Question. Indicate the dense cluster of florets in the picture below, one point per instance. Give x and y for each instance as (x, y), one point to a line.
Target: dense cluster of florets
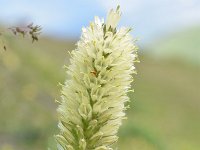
(95, 93)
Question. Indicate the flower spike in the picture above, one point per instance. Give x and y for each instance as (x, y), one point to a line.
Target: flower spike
(94, 96)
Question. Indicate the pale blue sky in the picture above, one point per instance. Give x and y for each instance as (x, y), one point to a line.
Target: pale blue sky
(64, 18)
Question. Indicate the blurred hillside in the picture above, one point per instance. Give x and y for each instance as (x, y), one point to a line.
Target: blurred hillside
(30, 76)
(165, 107)
(183, 45)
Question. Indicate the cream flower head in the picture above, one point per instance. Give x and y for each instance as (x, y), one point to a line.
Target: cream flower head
(95, 92)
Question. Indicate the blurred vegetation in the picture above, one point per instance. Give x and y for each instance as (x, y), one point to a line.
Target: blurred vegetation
(182, 44)
(164, 113)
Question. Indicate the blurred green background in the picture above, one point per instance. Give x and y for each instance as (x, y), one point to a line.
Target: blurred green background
(165, 107)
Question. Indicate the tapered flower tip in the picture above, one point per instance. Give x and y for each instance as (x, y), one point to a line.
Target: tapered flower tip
(113, 18)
